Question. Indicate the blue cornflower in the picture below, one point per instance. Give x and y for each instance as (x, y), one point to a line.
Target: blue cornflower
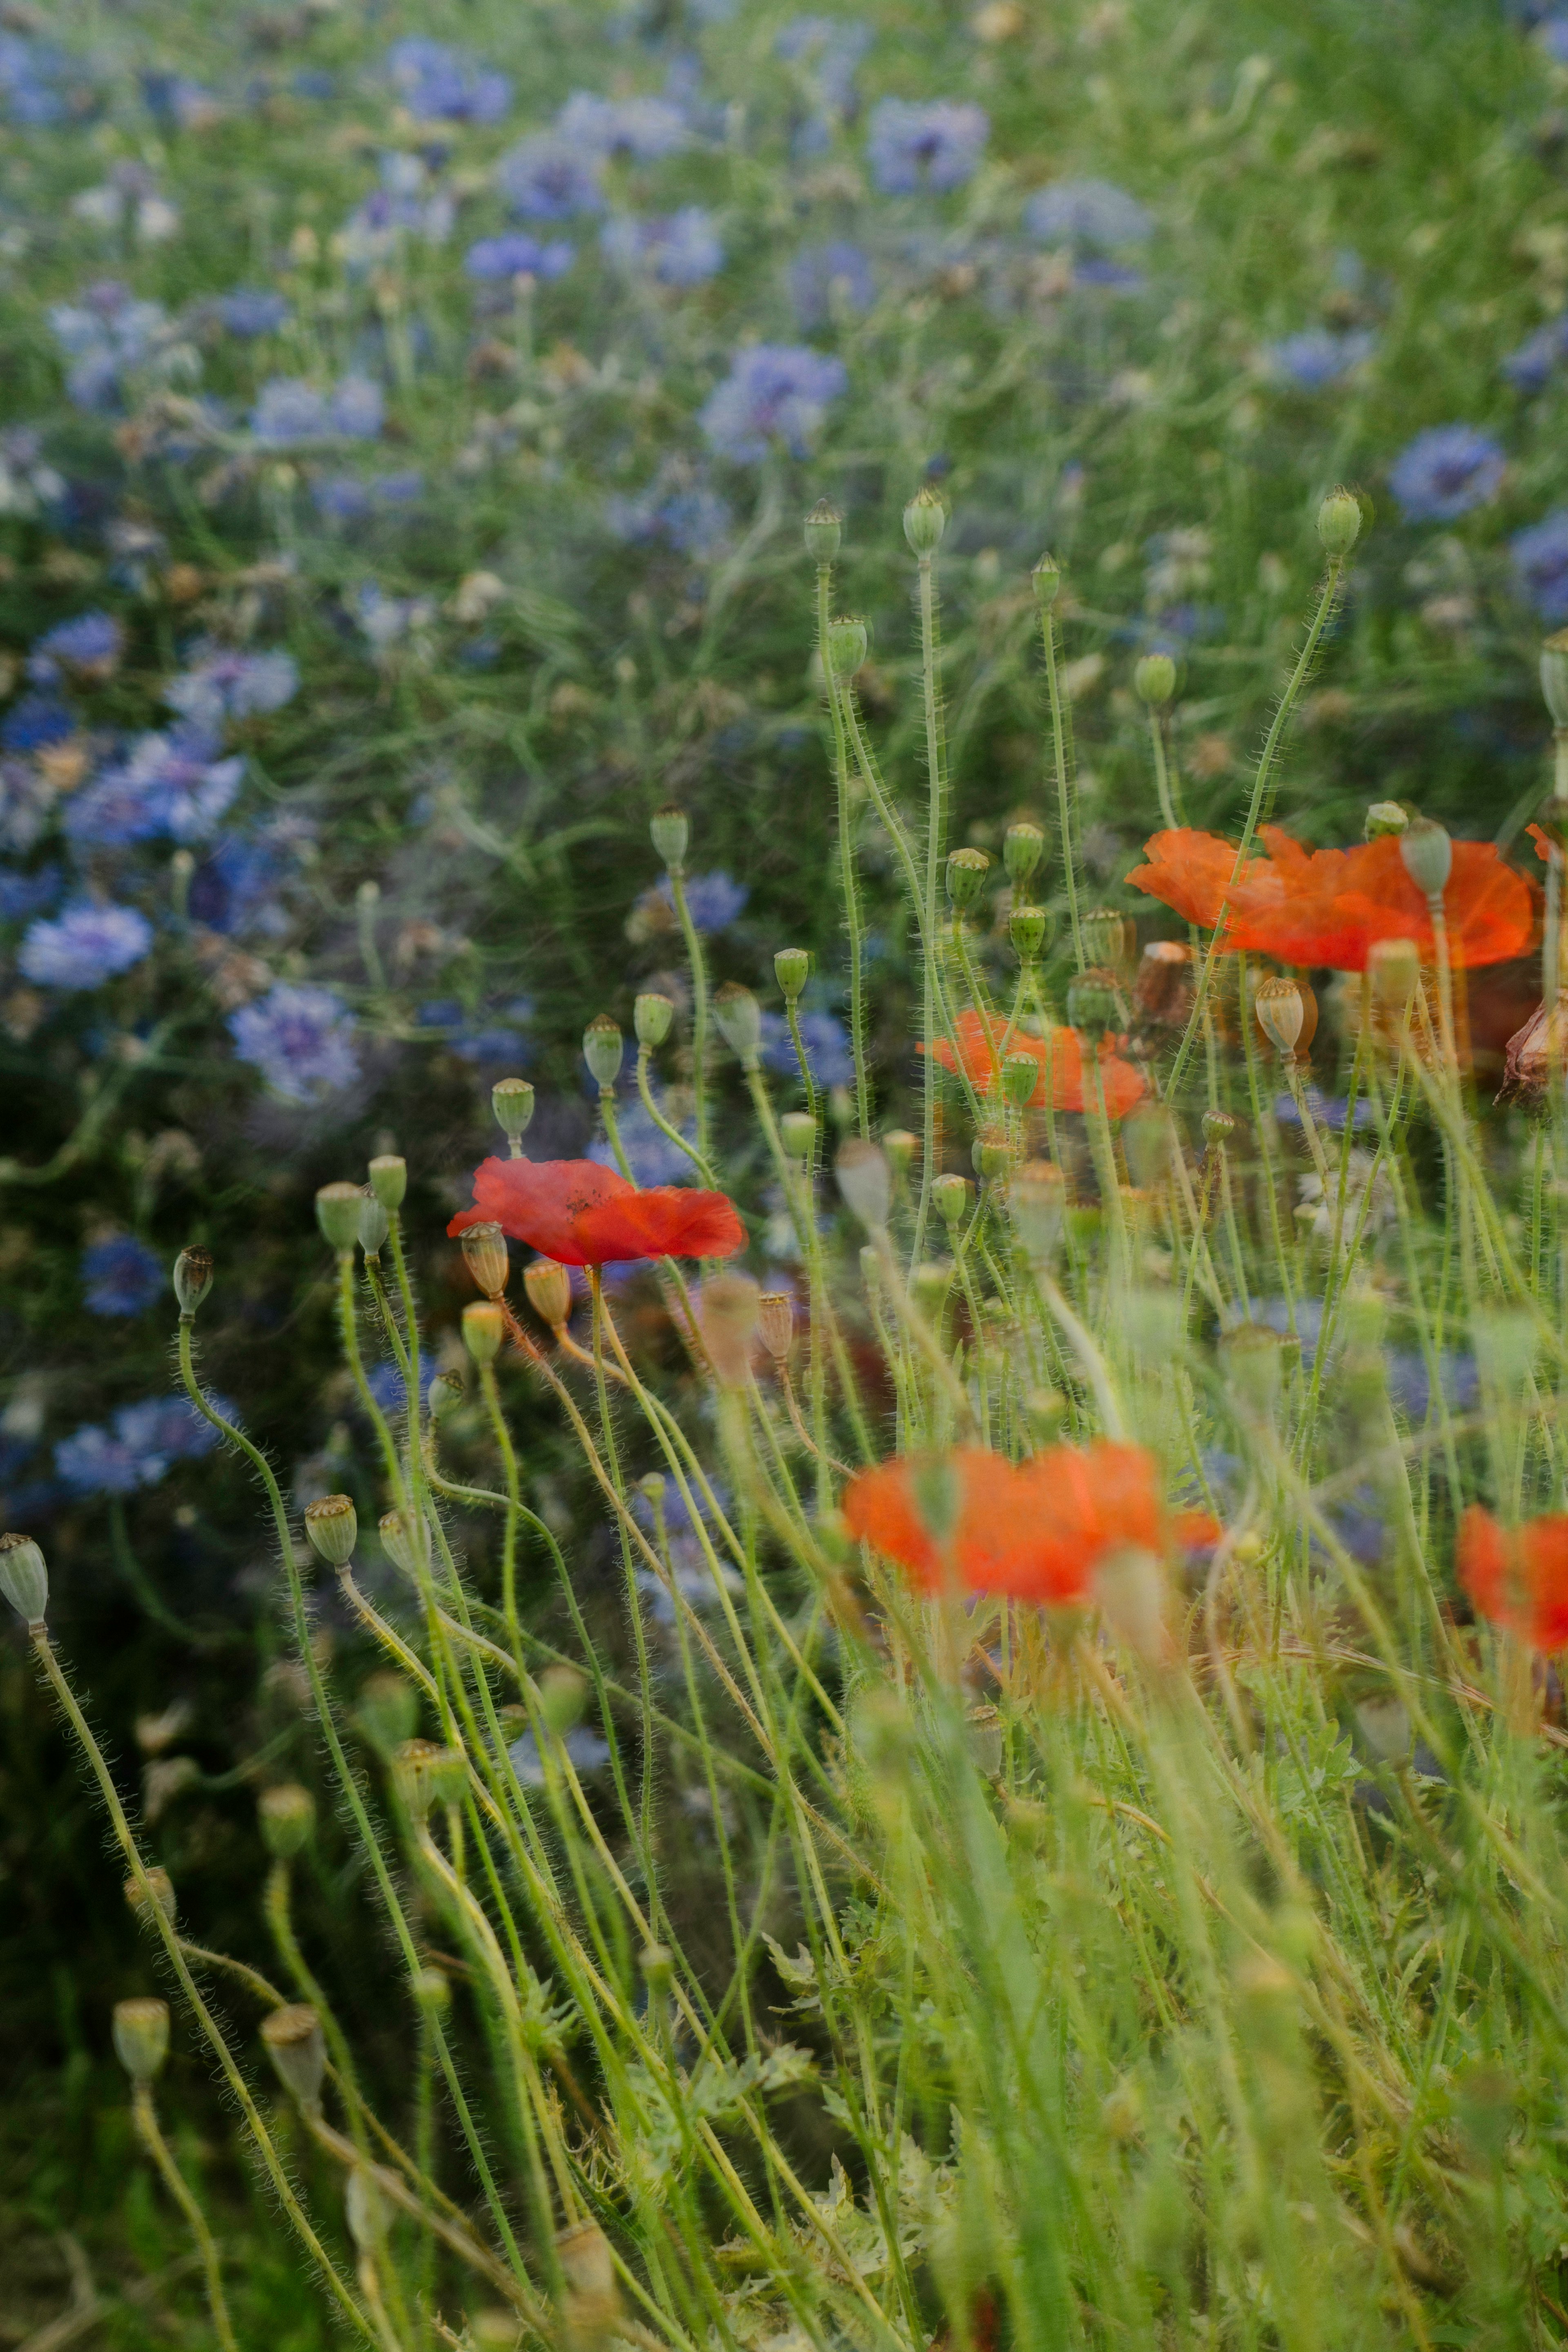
(348, 498)
(1319, 356)
(1410, 1381)
(172, 98)
(250, 311)
(826, 1043)
(388, 1387)
(36, 81)
(233, 889)
(826, 279)
(84, 946)
(1541, 566)
(1328, 1110)
(683, 250)
(94, 1461)
(105, 333)
(22, 895)
(645, 129)
(1529, 367)
(1553, 35)
(713, 901)
(288, 411)
(588, 1752)
(386, 620)
(301, 1039)
(440, 84)
(120, 1276)
(1087, 213)
(26, 804)
(546, 178)
(773, 391)
(936, 146)
(1445, 472)
(830, 48)
(171, 786)
(89, 648)
(222, 685)
(518, 255)
(650, 1155)
(36, 722)
(170, 1429)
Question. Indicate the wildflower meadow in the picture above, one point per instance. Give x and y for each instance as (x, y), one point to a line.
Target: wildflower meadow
(784, 1188)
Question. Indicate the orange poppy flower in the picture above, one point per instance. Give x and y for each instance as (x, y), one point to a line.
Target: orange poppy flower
(1517, 1576)
(1059, 1054)
(1191, 871)
(581, 1214)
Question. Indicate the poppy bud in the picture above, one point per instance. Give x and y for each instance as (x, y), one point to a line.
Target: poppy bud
(1110, 940)
(374, 1224)
(563, 1695)
(485, 1255)
(162, 1888)
(925, 519)
(1023, 846)
(332, 1527)
(775, 1321)
(1047, 580)
(823, 532)
(1038, 1199)
(1384, 818)
(297, 2050)
(656, 1962)
(991, 1154)
(1393, 968)
(1338, 522)
(400, 1542)
(846, 647)
(1428, 855)
(900, 1147)
(549, 1288)
(1555, 676)
(1020, 1076)
(1091, 1001)
(389, 1710)
(866, 1182)
(388, 1176)
(929, 1283)
(1154, 679)
(602, 1049)
(966, 872)
(651, 1017)
(434, 1996)
(670, 830)
(142, 2037)
(740, 1019)
(363, 2212)
(484, 1329)
(797, 1132)
(193, 1278)
(337, 1213)
(444, 1395)
(951, 1194)
(1045, 1410)
(24, 1577)
(792, 968)
(511, 1099)
(287, 1815)
(1280, 1013)
(1028, 928)
(727, 1318)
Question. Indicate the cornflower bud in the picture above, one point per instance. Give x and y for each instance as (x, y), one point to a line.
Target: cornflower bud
(603, 1050)
(485, 1255)
(792, 968)
(740, 1019)
(1023, 846)
(142, 2037)
(866, 1182)
(511, 1099)
(929, 1285)
(1020, 1076)
(193, 1278)
(1281, 1014)
(1047, 580)
(374, 1224)
(549, 1288)
(1028, 928)
(898, 1147)
(388, 1176)
(925, 519)
(337, 1213)
(991, 1154)
(1111, 940)
(298, 2048)
(670, 830)
(775, 1321)
(444, 1395)
(651, 1017)
(484, 1329)
(389, 1710)
(24, 1577)
(285, 1815)
(1154, 679)
(847, 646)
(1384, 818)
(1393, 968)
(966, 872)
(1338, 522)
(951, 1194)
(161, 1887)
(727, 1318)
(1555, 676)
(823, 532)
(400, 1542)
(797, 1132)
(1091, 1001)
(332, 1527)
(1428, 856)
(1037, 1199)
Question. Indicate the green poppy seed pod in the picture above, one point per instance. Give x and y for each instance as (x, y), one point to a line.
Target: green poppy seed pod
(388, 1173)
(162, 1888)
(951, 1195)
(443, 1396)
(1219, 1126)
(1281, 1012)
(1091, 1001)
(925, 519)
(1149, 1140)
(865, 1181)
(332, 1527)
(1045, 1410)
(824, 529)
(389, 1710)
(929, 1285)
(791, 970)
(286, 1816)
(484, 1329)
(1555, 676)
(374, 1224)
(1111, 940)
(1037, 1199)
(1381, 818)
(1023, 846)
(1047, 580)
(991, 1155)
(1020, 1076)
(433, 1994)
(1393, 968)
(1154, 679)
(604, 1049)
(193, 1278)
(337, 1213)
(1252, 1358)
(740, 1019)
(24, 1577)
(484, 1255)
(298, 2048)
(670, 831)
(652, 1487)
(1338, 522)
(651, 1017)
(1028, 928)
(142, 2037)
(563, 1697)
(511, 1099)
(1428, 855)
(549, 1288)
(900, 1147)
(797, 1133)
(400, 1542)
(966, 872)
(847, 646)
(775, 1322)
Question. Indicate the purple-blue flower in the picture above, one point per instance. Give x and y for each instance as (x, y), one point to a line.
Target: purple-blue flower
(300, 1038)
(288, 411)
(250, 311)
(651, 1156)
(84, 946)
(106, 333)
(36, 722)
(440, 84)
(222, 683)
(1318, 356)
(546, 178)
(171, 786)
(936, 146)
(683, 250)
(713, 901)
(348, 498)
(138, 1444)
(517, 255)
(826, 279)
(645, 129)
(1529, 367)
(1445, 472)
(120, 1276)
(830, 48)
(94, 1461)
(170, 1428)
(826, 1043)
(234, 888)
(689, 517)
(1541, 566)
(89, 648)
(22, 895)
(1087, 213)
(773, 391)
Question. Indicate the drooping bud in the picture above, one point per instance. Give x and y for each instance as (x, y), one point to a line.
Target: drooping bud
(389, 1710)
(142, 2037)
(1384, 818)
(951, 1194)
(1281, 1014)
(484, 1329)
(1023, 846)
(1555, 676)
(865, 1181)
(24, 1577)
(670, 830)
(740, 1019)
(298, 2048)
(847, 646)
(388, 1173)
(1028, 928)
(1393, 968)
(925, 519)
(1091, 1001)
(285, 1815)
(1154, 679)
(1047, 580)
(824, 529)
(443, 1396)
(1111, 940)
(1038, 1198)
(485, 1255)
(511, 1099)
(374, 1224)
(792, 968)
(193, 1278)
(549, 1288)
(1338, 522)
(727, 1309)
(797, 1132)
(332, 1525)
(966, 872)
(775, 1321)
(1020, 1076)
(900, 1147)
(162, 1888)
(602, 1049)
(651, 1017)
(337, 1213)
(1428, 855)
(400, 1542)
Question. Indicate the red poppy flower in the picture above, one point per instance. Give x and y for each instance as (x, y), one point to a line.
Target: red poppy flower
(581, 1214)
(1191, 871)
(1517, 1576)
(1059, 1054)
